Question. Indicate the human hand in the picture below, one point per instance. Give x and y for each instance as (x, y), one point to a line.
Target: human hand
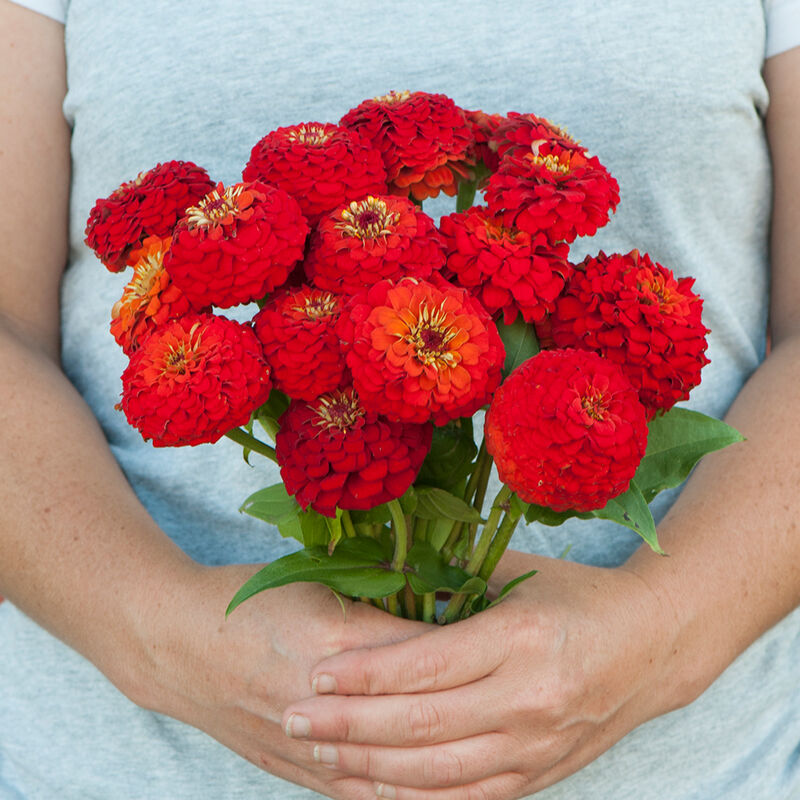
(504, 703)
(233, 677)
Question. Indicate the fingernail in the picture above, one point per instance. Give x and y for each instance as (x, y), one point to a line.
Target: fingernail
(323, 684)
(298, 727)
(326, 754)
(385, 790)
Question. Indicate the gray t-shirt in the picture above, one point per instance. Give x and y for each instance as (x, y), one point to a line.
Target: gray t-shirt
(669, 95)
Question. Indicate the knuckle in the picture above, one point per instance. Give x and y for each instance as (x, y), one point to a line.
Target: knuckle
(424, 721)
(444, 768)
(429, 669)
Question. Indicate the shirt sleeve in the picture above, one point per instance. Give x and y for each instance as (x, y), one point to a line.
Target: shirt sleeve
(783, 25)
(55, 9)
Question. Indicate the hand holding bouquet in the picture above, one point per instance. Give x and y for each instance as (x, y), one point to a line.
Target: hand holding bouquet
(376, 337)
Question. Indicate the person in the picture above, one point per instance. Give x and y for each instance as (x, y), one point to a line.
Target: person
(614, 674)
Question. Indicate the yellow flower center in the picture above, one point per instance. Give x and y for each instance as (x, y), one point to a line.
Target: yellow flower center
(367, 219)
(218, 207)
(339, 409)
(393, 98)
(313, 134)
(318, 305)
(552, 163)
(430, 337)
(594, 403)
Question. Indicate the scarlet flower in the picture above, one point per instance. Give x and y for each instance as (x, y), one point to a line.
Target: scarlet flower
(335, 452)
(425, 140)
(149, 299)
(321, 165)
(566, 430)
(558, 191)
(236, 245)
(419, 351)
(149, 205)
(367, 240)
(507, 269)
(193, 379)
(483, 128)
(517, 134)
(298, 331)
(636, 313)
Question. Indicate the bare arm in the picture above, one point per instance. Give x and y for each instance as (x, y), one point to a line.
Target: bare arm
(78, 552)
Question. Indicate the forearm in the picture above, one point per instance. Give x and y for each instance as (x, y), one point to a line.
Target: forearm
(733, 568)
(79, 553)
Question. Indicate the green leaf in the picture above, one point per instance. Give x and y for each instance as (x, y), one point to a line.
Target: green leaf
(427, 571)
(408, 501)
(451, 456)
(466, 194)
(510, 585)
(631, 510)
(438, 533)
(269, 414)
(519, 339)
(335, 530)
(315, 528)
(433, 503)
(676, 441)
(373, 516)
(357, 568)
(552, 518)
(275, 506)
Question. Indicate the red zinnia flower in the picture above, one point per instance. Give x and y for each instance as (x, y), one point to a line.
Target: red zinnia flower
(319, 164)
(334, 452)
(506, 268)
(298, 331)
(425, 140)
(483, 128)
(518, 134)
(561, 192)
(150, 205)
(236, 245)
(637, 314)
(420, 351)
(566, 430)
(150, 298)
(367, 240)
(193, 379)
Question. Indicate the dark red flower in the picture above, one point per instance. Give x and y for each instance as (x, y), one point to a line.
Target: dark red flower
(636, 313)
(483, 128)
(298, 331)
(334, 452)
(149, 299)
(194, 379)
(236, 245)
(321, 165)
(149, 205)
(425, 140)
(507, 269)
(566, 430)
(517, 134)
(419, 351)
(367, 240)
(560, 192)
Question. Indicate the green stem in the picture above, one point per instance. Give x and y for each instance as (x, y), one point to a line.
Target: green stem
(410, 602)
(400, 535)
(250, 442)
(472, 484)
(429, 607)
(393, 605)
(347, 524)
(499, 544)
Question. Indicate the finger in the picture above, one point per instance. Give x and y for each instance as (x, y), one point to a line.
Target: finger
(440, 659)
(507, 786)
(399, 720)
(449, 764)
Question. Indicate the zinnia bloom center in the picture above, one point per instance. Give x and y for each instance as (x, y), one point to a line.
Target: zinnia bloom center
(219, 207)
(498, 232)
(147, 271)
(367, 219)
(552, 163)
(393, 98)
(669, 299)
(340, 409)
(594, 404)
(311, 135)
(318, 305)
(430, 338)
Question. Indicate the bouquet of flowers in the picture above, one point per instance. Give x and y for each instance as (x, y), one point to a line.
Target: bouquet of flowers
(377, 337)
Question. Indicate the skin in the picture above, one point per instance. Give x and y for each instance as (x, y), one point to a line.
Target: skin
(550, 700)
(409, 730)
